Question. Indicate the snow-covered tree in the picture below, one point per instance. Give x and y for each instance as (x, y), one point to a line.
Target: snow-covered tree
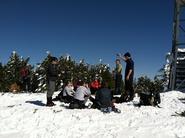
(13, 70)
(40, 75)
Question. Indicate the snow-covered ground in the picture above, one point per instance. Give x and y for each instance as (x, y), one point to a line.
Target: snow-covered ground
(25, 116)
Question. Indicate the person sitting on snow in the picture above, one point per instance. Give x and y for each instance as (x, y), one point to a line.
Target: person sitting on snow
(103, 99)
(95, 85)
(68, 92)
(81, 96)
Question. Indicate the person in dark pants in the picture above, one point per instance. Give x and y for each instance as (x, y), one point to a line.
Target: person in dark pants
(25, 76)
(103, 99)
(118, 77)
(52, 75)
(68, 92)
(129, 75)
(81, 96)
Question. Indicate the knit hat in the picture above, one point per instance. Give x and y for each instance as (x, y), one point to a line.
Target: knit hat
(127, 54)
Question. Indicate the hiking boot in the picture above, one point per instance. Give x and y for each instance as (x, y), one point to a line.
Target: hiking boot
(50, 102)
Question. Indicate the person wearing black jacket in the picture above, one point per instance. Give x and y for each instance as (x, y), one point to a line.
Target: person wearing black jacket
(51, 75)
(104, 99)
(129, 76)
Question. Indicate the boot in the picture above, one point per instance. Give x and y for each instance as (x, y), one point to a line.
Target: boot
(49, 102)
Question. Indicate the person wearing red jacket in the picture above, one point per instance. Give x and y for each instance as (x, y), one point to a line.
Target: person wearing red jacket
(95, 85)
(25, 77)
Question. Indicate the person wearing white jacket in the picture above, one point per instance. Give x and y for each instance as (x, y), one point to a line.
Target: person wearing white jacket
(81, 96)
(68, 92)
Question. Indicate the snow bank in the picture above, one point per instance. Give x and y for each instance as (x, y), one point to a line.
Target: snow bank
(181, 49)
(25, 116)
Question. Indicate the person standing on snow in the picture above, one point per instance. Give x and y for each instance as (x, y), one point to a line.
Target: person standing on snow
(25, 77)
(129, 76)
(118, 77)
(51, 75)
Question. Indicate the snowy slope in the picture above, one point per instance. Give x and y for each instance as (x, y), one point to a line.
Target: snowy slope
(24, 116)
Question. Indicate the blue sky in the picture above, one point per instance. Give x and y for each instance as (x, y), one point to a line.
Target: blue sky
(89, 29)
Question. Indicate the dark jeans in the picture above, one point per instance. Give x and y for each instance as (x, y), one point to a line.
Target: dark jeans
(68, 99)
(77, 104)
(129, 89)
(96, 104)
(118, 82)
(26, 83)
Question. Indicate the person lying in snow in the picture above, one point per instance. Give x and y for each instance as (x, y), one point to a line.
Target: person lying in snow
(81, 96)
(103, 99)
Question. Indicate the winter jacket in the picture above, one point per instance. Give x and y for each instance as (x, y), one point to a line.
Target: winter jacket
(68, 91)
(118, 69)
(95, 84)
(24, 72)
(52, 72)
(81, 93)
(129, 66)
(104, 97)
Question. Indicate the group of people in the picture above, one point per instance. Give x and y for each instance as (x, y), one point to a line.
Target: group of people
(78, 96)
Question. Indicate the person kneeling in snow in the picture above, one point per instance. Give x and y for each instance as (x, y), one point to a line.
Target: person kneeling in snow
(68, 92)
(103, 99)
(81, 96)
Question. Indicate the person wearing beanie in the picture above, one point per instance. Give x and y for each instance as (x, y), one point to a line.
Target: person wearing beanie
(51, 76)
(129, 76)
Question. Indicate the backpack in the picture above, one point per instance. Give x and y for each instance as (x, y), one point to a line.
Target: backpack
(150, 98)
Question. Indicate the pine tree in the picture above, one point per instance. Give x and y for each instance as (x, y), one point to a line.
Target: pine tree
(12, 70)
(66, 69)
(81, 71)
(2, 81)
(145, 84)
(39, 78)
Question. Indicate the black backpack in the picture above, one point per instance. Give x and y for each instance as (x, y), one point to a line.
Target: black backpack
(150, 98)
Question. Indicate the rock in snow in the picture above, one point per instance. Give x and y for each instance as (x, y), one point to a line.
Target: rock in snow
(25, 116)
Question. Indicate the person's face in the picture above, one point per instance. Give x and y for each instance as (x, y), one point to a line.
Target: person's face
(125, 58)
(55, 62)
(117, 62)
(86, 85)
(70, 84)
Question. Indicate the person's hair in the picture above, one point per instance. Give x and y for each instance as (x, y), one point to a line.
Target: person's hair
(68, 82)
(118, 60)
(104, 84)
(53, 59)
(127, 54)
(80, 83)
